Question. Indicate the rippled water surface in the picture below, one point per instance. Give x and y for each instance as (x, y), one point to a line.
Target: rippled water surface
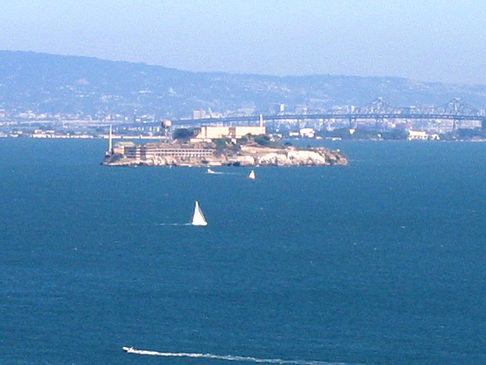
(379, 262)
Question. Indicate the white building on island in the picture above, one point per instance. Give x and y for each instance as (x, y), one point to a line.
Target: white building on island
(206, 133)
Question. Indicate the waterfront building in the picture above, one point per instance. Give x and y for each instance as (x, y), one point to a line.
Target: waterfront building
(417, 135)
(307, 132)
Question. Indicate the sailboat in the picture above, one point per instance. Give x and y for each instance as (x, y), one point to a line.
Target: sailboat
(198, 217)
(252, 175)
(211, 171)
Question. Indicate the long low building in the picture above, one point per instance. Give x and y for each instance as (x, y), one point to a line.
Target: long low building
(154, 150)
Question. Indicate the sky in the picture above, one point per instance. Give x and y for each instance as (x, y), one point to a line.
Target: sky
(423, 40)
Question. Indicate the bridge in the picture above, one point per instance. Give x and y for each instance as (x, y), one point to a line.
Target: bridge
(378, 110)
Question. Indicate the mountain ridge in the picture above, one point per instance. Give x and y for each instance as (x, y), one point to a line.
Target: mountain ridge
(83, 86)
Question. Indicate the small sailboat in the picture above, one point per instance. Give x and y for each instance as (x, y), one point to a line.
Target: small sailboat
(198, 217)
(252, 175)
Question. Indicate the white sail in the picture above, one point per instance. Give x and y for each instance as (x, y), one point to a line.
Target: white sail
(252, 175)
(198, 217)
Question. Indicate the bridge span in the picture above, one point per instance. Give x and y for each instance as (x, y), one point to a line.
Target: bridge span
(333, 116)
(378, 111)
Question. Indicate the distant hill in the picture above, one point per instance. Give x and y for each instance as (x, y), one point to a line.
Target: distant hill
(82, 86)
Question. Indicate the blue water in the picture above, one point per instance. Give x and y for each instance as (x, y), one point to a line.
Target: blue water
(379, 262)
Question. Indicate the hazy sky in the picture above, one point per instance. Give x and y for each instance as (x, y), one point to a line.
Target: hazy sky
(429, 40)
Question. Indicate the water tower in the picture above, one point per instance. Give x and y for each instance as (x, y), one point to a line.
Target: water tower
(167, 129)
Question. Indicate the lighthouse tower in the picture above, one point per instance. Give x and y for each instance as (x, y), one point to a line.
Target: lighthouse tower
(110, 142)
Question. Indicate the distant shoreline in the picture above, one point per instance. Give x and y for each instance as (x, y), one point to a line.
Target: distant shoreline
(157, 138)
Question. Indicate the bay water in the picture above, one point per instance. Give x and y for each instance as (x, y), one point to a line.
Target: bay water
(379, 262)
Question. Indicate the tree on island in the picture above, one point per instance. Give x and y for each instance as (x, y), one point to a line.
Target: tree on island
(183, 134)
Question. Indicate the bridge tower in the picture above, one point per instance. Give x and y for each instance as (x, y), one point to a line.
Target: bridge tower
(456, 107)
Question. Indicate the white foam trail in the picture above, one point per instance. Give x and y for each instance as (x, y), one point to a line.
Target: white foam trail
(174, 224)
(131, 350)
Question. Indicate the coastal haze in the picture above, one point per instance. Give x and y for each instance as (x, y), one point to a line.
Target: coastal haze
(82, 87)
(43, 95)
(434, 41)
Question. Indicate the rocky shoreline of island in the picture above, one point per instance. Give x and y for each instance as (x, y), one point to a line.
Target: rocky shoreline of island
(248, 151)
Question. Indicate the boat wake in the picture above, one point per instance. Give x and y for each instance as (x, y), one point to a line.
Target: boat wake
(174, 224)
(212, 172)
(131, 350)
(225, 173)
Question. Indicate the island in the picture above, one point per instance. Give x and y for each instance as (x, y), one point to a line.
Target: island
(214, 146)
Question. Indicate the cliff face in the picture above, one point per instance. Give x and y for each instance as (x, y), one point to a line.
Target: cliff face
(244, 156)
(290, 156)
